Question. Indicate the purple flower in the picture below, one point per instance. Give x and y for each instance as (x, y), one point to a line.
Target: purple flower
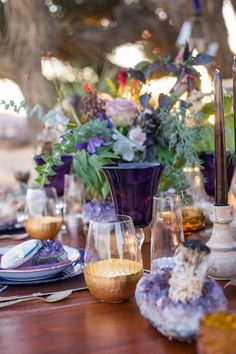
(91, 145)
(109, 123)
(102, 118)
(81, 146)
(122, 111)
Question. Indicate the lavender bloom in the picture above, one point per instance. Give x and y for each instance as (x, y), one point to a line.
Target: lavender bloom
(109, 123)
(102, 118)
(81, 146)
(91, 145)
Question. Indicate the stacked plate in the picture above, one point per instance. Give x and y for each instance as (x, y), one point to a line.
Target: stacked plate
(44, 273)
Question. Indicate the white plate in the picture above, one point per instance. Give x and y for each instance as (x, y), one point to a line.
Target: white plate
(40, 272)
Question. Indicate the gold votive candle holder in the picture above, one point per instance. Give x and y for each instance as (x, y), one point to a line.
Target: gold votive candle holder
(43, 227)
(113, 280)
(193, 219)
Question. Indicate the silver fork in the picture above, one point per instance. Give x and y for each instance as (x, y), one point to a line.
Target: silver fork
(74, 270)
(3, 287)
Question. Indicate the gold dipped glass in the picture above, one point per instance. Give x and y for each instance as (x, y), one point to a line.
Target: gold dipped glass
(44, 217)
(113, 260)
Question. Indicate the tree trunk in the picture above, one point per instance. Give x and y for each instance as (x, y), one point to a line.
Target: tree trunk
(31, 31)
(26, 39)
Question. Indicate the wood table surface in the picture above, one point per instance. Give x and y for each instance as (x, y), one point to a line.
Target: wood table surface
(82, 324)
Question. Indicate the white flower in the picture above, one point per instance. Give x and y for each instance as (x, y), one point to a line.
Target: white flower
(121, 111)
(138, 137)
(123, 146)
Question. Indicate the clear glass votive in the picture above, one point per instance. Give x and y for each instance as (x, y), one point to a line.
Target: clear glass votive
(113, 260)
(167, 230)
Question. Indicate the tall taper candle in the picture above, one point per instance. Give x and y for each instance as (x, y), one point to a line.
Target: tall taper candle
(221, 187)
(234, 96)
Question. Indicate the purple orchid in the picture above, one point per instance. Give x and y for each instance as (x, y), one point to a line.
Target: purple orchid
(91, 145)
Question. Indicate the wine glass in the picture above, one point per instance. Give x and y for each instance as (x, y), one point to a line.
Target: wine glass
(43, 216)
(113, 260)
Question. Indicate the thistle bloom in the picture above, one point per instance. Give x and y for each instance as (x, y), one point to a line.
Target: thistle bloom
(121, 111)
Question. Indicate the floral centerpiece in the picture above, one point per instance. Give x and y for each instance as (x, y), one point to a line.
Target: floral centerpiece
(130, 125)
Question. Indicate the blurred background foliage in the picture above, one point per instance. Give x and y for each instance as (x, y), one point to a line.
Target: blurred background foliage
(85, 37)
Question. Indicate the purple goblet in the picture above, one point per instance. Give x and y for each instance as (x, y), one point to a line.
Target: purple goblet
(132, 187)
(208, 170)
(57, 181)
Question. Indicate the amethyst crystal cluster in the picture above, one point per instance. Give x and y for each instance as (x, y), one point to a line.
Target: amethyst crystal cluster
(96, 209)
(50, 252)
(175, 300)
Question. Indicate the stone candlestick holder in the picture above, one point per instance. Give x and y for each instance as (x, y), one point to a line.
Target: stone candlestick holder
(222, 259)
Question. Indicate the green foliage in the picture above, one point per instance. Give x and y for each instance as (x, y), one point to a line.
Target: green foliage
(206, 129)
(181, 135)
(89, 168)
(52, 117)
(94, 128)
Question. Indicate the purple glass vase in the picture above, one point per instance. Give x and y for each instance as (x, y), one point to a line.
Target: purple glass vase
(208, 171)
(57, 181)
(132, 187)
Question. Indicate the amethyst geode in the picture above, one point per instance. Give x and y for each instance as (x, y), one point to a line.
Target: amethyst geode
(175, 300)
(50, 252)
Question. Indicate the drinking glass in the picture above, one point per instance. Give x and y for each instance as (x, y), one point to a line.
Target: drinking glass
(74, 195)
(167, 230)
(74, 198)
(43, 215)
(113, 260)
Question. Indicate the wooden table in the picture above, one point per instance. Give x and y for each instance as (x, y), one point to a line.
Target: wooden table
(82, 324)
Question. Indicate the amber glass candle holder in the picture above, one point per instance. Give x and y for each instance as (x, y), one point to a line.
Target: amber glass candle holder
(193, 219)
(113, 261)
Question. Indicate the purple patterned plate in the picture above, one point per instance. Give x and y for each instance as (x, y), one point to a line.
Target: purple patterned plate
(73, 270)
(27, 272)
